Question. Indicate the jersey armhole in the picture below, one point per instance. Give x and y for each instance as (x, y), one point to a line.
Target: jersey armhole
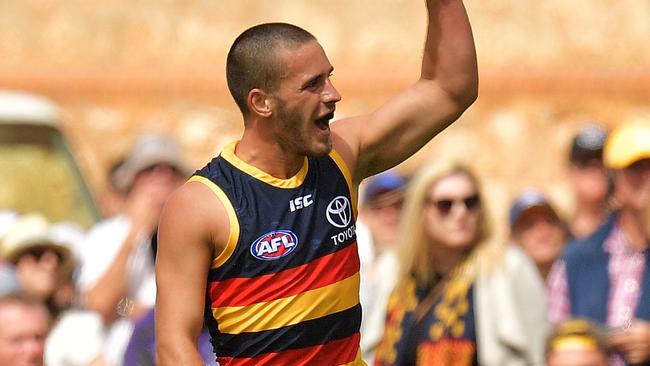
(233, 235)
(343, 167)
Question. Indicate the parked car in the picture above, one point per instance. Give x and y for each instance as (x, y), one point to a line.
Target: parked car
(38, 170)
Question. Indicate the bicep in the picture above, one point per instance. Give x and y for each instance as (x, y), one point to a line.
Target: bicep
(397, 129)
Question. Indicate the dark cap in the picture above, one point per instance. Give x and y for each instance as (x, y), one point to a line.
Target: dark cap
(529, 200)
(385, 182)
(588, 145)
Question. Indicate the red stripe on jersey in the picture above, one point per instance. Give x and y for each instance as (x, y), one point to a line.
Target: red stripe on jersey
(321, 272)
(337, 352)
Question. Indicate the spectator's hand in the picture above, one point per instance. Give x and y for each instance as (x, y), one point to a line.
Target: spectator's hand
(634, 342)
(145, 203)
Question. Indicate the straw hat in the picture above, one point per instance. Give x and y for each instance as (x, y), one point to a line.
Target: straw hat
(32, 231)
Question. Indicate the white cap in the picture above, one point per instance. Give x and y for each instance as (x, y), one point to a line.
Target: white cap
(148, 151)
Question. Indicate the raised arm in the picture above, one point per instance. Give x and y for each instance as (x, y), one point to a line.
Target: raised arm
(185, 248)
(448, 85)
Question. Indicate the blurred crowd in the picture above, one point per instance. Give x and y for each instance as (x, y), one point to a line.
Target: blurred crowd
(437, 286)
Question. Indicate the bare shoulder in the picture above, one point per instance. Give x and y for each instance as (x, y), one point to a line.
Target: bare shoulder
(346, 142)
(195, 212)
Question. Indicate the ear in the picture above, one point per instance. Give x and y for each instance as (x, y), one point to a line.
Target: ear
(260, 103)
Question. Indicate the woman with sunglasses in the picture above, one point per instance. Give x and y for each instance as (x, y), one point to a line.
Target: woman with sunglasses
(462, 299)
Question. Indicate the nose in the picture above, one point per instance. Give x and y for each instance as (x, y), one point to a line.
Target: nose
(330, 94)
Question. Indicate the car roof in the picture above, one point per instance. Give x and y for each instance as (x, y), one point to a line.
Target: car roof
(22, 107)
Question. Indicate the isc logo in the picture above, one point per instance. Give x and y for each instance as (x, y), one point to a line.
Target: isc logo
(300, 202)
(274, 244)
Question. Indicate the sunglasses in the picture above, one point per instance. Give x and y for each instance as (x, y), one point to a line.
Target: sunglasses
(444, 206)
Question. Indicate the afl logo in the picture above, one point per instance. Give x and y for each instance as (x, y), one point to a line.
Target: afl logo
(274, 245)
(339, 212)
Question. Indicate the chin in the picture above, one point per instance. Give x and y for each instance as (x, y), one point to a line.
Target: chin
(461, 243)
(321, 150)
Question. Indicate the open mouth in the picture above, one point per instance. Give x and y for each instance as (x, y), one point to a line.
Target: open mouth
(323, 123)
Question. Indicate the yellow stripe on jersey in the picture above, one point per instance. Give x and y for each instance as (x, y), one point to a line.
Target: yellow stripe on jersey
(228, 153)
(348, 178)
(312, 304)
(357, 361)
(233, 236)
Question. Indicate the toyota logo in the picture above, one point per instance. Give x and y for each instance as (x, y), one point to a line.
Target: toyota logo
(339, 212)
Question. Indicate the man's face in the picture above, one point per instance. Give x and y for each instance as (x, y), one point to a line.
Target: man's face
(589, 181)
(305, 101)
(577, 357)
(633, 186)
(22, 334)
(540, 234)
(157, 182)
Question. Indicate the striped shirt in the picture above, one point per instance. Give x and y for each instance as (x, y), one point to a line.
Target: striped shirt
(285, 289)
(625, 268)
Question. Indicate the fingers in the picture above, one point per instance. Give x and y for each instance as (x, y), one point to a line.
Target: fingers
(634, 342)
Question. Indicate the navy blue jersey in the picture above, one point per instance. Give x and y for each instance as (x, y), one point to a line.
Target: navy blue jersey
(285, 289)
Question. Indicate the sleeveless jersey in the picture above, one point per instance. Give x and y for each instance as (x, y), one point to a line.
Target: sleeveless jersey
(285, 289)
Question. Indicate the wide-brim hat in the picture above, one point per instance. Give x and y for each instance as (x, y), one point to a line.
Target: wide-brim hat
(31, 232)
(149, 150)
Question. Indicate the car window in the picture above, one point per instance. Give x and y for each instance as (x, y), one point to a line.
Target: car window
(39, 174)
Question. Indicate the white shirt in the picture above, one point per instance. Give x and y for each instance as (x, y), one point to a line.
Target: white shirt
(98, 251)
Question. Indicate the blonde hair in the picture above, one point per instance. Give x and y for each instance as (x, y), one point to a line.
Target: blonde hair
(415, 247)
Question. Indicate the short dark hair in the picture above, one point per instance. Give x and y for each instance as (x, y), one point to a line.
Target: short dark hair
(252, 60)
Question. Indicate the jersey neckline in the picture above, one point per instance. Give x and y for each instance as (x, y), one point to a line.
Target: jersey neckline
(228, 154)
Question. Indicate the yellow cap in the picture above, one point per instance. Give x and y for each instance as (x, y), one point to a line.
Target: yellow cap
(627, 144)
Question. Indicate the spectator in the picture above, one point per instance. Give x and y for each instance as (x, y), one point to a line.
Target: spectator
(605, 277)
(538, 229)
(377, 237)
(117, 273)
(577, 342)
(589, 181)
(112, 199)
(461, 299)
(141, 350)
(24, 325)
(42, 264)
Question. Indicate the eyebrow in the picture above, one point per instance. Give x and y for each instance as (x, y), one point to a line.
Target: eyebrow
(316, 77)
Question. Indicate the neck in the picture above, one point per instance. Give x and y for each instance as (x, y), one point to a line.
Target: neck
(593, 210)
(587, 217)
(264, 152)
(544, 269)
(632, 226)
(446, 259)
